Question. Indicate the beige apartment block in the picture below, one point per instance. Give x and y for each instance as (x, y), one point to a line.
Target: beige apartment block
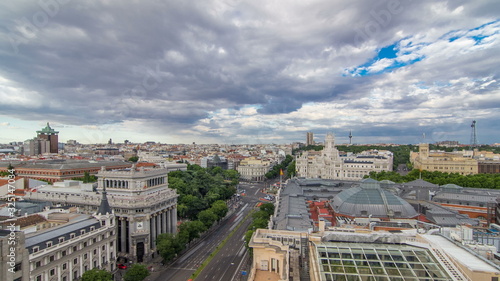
(276, 254)
(445, 162)
(252, 169)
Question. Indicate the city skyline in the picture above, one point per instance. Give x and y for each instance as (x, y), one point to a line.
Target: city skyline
(250, 72)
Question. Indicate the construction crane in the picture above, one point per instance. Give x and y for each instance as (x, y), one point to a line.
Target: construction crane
(473, 136)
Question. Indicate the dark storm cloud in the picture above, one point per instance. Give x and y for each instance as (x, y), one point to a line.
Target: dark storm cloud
(177, 64)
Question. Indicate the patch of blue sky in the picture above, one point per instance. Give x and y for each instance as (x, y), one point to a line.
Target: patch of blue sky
(457, 34)
(442, 84)
(388, 53)
(421, 85)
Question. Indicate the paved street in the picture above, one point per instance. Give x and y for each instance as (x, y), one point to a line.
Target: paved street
(231, 260)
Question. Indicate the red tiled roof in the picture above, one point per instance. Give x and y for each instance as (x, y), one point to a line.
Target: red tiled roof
(27, 221)
(145, 164)
(6, 181)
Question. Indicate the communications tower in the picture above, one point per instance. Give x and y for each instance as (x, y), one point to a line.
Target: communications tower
(350, 137)
(473, 136)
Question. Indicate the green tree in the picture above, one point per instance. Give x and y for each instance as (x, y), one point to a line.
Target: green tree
(219, 208)
(194, 205)
(268, 208)
(291, 170)
(192, 228)
(136, 273)
(182, 210)
(233, 176)
(169, 245)
(133, 159)
(248, 236)
(97, 275)
(207, 217)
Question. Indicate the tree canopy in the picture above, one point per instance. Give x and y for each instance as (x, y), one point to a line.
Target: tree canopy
(202, 194)
(491, 181)
(133, 159)
(136, 273)
(199, 188)
(87, 178)
(97, 275)
(283, 166)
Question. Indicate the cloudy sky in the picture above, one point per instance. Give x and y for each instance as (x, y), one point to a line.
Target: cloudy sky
(260, 71)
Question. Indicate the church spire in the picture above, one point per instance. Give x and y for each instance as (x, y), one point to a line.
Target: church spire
(104, 208)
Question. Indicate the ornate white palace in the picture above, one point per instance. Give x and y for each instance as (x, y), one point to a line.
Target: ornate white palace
(329, 164)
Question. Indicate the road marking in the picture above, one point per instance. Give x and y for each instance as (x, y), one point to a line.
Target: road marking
(243, 248)
(188, 254)
(238, 268)
(242, 209)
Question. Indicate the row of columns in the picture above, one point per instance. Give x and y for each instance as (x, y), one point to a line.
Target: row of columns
(155, 181)
(163, 222)
(115, 183)
(123, 235)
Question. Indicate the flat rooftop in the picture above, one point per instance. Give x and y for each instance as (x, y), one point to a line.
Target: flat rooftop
(261, 275)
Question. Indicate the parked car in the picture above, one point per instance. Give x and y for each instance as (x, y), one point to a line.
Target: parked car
(121, 266)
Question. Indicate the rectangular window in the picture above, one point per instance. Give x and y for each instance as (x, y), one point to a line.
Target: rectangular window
(52, 272)
(75, 261)
(49, 244)
(64, 266)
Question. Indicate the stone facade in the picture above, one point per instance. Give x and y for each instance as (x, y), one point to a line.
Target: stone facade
(252, 169)
(143, 204)
(443, 161)
(329, 164)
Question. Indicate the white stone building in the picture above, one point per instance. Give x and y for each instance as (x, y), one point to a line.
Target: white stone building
(329, 164)
(66, 251)
(143, 204)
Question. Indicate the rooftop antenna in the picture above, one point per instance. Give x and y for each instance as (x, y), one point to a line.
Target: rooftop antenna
(473, 136)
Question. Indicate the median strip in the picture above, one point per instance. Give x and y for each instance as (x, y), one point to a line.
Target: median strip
(218, 248)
